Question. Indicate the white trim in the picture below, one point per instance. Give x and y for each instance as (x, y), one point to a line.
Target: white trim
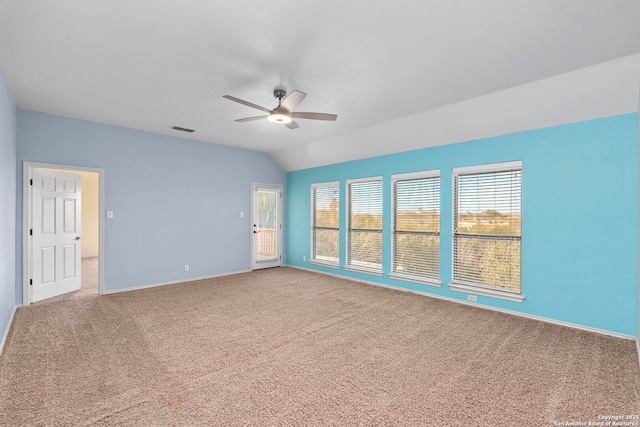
(325, 184)
(174, 282)
(487, 307)
(6, 332)
(494, 293)
(416, 279)
(366, 179)
(27, 168)
(431, 173)
(489, 167)
(26, 244)
(638, 348)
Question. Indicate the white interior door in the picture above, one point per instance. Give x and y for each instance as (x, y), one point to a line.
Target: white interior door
(266, 230)
(55, 229)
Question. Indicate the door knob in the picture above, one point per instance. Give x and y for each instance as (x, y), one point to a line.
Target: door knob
(77, 238)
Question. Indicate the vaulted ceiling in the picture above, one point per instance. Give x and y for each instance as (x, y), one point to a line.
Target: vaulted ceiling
(151, 65)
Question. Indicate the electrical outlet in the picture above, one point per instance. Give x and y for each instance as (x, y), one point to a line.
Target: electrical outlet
(186, 267)
(304, 258)
(472, 298)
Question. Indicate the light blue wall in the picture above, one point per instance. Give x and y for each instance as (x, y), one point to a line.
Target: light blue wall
(7, 204)
(175, 201)
(580, 217)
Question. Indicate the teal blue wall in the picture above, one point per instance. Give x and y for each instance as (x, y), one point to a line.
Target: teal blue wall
(580, 216)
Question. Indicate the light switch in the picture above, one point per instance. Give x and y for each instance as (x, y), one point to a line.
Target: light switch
(241, 214)
(109, 214)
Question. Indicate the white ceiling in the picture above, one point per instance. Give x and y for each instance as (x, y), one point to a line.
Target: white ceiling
(150, 64)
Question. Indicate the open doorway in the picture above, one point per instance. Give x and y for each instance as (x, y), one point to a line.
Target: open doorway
(63, 233)
(90, 247)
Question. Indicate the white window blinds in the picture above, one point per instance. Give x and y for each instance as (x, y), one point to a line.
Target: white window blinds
(325, 239)
(364, 237)
(416, 225)
(487, 226)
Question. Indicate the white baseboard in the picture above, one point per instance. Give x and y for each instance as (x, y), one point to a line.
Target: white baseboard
(6, 332)
(488, 307)
(173, 282)
(638, 345)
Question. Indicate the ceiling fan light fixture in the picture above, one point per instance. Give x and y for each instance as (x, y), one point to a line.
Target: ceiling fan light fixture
(279, 118)
(283, 112)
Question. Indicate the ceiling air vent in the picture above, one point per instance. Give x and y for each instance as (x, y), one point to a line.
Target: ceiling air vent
(182, 129)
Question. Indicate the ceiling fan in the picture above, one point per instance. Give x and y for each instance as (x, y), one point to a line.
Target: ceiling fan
(282, 113)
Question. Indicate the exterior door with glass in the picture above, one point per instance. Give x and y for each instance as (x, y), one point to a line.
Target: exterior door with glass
(266, 230)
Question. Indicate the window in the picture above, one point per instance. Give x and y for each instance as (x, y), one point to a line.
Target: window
(416, 226)
(325, 238)
(487, 229)
(364, 235)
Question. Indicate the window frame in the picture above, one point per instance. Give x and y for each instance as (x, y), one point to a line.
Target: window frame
(479, 288)
(395, 178)
(313, 259)
(348, 200)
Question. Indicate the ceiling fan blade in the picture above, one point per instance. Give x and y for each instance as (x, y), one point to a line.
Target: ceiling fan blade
(249, 119)
(292, 125)
(315, 116)
(292, 100)
(247, 103)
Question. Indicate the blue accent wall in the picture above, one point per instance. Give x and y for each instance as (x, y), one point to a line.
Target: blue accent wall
(175, 201)
(579, 227)
(7, 205)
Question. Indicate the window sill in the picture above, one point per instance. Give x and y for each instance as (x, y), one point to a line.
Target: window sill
(325, 263)
(417, 279)
(363, 270)
(495, 293)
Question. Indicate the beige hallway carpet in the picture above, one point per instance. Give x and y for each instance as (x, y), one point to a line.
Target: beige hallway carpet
(289, 347)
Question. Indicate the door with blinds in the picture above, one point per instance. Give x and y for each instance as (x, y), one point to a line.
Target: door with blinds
(266, 229)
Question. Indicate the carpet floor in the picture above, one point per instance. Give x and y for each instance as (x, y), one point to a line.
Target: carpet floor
(290, 347)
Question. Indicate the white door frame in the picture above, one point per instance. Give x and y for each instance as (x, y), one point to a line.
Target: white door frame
(27, 173)
(276, 187)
